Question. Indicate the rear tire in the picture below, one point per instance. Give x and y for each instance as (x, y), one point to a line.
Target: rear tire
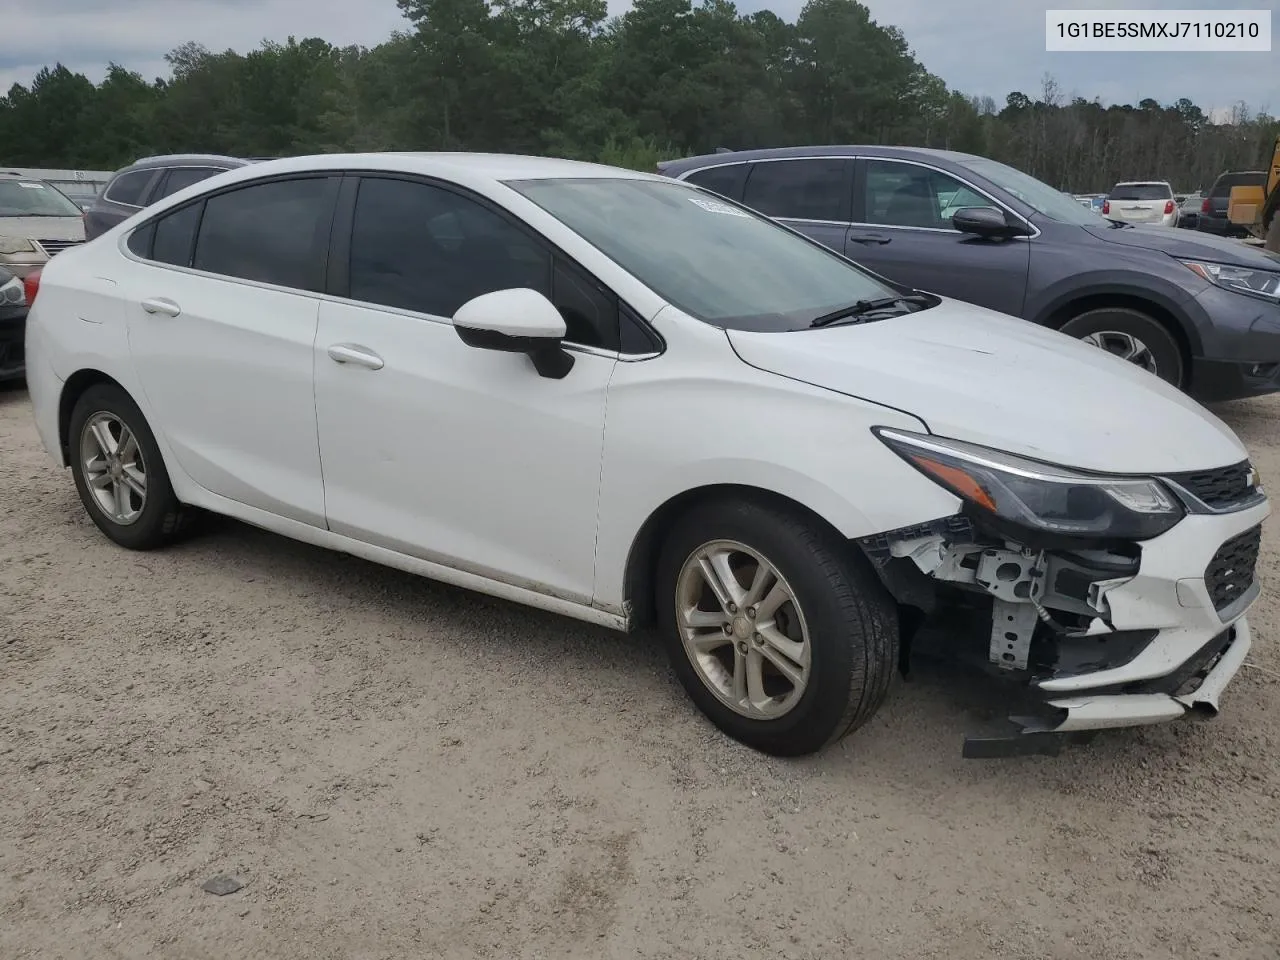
(1133, 336)
(819, 626)
(119, 472)
(1272, 242)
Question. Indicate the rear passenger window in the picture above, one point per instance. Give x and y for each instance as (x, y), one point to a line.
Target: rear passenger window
(140, 241)
(128, 187)
(182, 177)
(422, 248)
(176, 236)
(726, 180)
(814, 189)
(276, 232)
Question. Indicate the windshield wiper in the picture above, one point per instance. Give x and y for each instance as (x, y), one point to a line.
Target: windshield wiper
(862, 308)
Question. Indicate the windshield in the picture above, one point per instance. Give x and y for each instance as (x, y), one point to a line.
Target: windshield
(32, 198)
(1034, 193)
(1141, 191)
(714, 260)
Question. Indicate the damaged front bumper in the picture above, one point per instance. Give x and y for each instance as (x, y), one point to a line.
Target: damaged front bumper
(1097, 635)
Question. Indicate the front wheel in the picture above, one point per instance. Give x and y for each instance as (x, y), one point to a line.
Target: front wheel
(1133, 336)
(777, 630)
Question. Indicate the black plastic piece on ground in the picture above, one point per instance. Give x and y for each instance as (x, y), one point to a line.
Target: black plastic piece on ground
(1041, 743)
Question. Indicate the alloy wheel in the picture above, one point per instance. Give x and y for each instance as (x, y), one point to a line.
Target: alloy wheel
(743, 629)
(1125, 346)
(114, 470)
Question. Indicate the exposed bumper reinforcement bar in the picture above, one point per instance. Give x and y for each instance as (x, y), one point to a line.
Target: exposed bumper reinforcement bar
(1076, 719)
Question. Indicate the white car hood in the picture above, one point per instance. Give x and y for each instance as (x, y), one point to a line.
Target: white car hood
(976, 375)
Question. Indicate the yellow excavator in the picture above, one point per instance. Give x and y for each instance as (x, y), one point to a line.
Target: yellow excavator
(1257, 208)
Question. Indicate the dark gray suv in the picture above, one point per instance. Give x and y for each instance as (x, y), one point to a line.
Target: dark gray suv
(145, 181)
(1199, 311)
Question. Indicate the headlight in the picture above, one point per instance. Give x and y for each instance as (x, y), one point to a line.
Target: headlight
(12, 294)
(1251, 280)
(16, 245)
(1040, 496)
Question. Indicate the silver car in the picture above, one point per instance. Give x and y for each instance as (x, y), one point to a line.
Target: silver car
(37, 220)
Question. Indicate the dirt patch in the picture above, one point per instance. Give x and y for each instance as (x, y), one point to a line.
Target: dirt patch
(395, 768)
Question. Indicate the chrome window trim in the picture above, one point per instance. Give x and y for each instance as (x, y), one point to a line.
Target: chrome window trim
(888, 226)
(106, 193)
(967, 183)
(123, 247)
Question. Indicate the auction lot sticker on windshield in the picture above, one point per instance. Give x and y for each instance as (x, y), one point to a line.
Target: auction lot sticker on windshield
(715, 206)
(31, 186)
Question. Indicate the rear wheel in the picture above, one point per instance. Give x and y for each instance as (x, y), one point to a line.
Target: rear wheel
(777, 630)
(1133, 336)
(119, 472)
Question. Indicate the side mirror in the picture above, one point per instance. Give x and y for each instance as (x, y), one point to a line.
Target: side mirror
(986, 222)
(518, 320)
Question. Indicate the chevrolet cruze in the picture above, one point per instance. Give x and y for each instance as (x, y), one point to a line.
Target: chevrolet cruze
(625, 399)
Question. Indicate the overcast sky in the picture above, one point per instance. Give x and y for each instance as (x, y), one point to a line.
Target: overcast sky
(985, 47)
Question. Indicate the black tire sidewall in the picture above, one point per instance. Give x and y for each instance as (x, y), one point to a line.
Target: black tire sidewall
(159, 513)
(1170, 365)
(836, 650)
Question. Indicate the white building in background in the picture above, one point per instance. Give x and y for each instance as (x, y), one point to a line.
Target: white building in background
(80, 185)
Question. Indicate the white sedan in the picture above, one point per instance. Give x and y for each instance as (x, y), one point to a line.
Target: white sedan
(619, 397)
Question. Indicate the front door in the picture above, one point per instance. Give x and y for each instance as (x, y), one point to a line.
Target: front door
(453, 454)
(903, 231)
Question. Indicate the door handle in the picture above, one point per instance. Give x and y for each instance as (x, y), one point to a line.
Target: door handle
(161, 305)
(869, 239)
(353, 353)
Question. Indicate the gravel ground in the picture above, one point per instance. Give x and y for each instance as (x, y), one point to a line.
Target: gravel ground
(393, 768)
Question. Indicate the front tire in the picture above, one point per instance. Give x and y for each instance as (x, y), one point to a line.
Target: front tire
(1131, 335)
(776, 628)
(119, 472)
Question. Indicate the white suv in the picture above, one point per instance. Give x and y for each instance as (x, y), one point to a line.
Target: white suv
(1142, 201)
(618, 397)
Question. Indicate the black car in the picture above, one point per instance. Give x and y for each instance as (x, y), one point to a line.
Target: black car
(145, 181)
(1213, 208)
(13, 320)
(1199, 311)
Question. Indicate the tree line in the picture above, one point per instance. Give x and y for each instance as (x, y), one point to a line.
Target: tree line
(562, 78)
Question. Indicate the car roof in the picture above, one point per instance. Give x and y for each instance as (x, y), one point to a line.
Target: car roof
(465, 168)
(1142, 183)
(180, 159)
(675, 167)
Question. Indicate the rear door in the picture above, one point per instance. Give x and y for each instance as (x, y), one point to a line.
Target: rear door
(813, 195)
(223, 297)
(903, 231)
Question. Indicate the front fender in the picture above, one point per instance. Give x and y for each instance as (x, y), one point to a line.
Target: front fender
(671, 430)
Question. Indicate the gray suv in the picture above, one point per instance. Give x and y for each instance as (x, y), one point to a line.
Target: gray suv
(1199, 311)
(145, 181)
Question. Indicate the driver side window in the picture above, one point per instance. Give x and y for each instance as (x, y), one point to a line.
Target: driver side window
(423, 248)
(907, 195)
